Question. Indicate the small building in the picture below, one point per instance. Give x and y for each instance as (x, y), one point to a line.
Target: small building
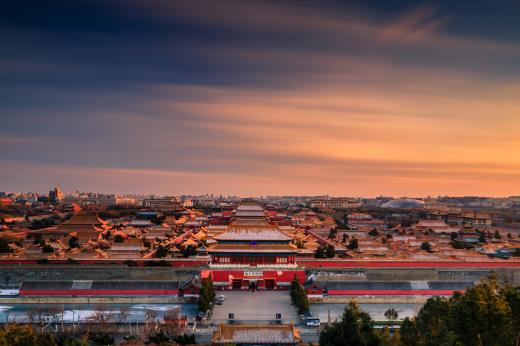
(314, 289)
(190, 288)
(258, 335)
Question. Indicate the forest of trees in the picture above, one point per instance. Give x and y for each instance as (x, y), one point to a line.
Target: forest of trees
(485, 315)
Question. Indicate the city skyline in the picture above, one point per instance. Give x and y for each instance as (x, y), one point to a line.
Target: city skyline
(261, 98)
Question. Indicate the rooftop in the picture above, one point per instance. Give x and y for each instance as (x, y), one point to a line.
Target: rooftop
(256, 334)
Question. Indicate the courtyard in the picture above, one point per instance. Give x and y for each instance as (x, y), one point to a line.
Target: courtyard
(258, 306)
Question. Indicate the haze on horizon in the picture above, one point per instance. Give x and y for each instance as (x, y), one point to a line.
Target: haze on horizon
(359, 98)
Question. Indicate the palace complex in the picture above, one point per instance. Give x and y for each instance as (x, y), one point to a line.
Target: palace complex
(252, 253)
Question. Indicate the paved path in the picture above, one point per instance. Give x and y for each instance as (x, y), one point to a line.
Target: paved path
(256, 306)
(376, 310)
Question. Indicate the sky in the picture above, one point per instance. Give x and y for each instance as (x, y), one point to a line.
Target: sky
(304, 97)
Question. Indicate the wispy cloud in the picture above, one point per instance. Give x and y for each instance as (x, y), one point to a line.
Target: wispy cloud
(262, 97)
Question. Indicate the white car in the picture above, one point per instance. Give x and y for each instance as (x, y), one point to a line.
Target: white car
(220, 300)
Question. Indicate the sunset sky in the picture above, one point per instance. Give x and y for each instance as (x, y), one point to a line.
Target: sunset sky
(360, 98)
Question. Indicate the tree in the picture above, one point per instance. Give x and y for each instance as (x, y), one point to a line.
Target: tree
(453, 236)
(189, 251)
(118, 238)
(161, 251)
(206, 294)
(18, 335)
(497, 235)
(159, 338)
(73, 242)
(391, 314)
(47, 249)
(387, 338)
(4, 246)
(330, 252)
(431, 322)
(426, 246)
(320, 252)
(481, 316)
(512, 295)
(354, 328)
(299, 296)
(482, 237)
(353, 244)
(408, 333)
(373, 232)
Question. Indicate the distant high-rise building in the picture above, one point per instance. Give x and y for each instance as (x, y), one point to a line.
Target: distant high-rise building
(56, 195)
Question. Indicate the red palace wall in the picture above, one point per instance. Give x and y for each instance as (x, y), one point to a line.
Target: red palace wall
(280, 276)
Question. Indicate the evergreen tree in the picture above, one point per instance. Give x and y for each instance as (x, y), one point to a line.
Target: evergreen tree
(426, 246)
(320, 252)
(353, 244)
(73, 242)
(299, 296)
(432, 322)
(512, 295)
(162, 251)
(354, 328)
(118, 238)
(330, 252)
(408, 333)
(373, 232)
(482, 316)
(206, 294)
(453, 236)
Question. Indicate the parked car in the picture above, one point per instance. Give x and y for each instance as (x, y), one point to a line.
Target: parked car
(220, 300)
(310, 320)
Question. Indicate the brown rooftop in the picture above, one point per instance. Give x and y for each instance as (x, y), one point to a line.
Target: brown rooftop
(284, 334)
(273, 248)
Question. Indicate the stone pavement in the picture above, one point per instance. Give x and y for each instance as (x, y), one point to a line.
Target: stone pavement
(260, 306)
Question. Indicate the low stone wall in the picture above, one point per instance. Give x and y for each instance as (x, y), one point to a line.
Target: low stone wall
(373, 299)
(97, 300)
(504, 275)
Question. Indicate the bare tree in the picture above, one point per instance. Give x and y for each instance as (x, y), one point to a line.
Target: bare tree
(174, 323)
(151, 320)
(123, 313)
(101, 321)
(31, 315)
(507, 278)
